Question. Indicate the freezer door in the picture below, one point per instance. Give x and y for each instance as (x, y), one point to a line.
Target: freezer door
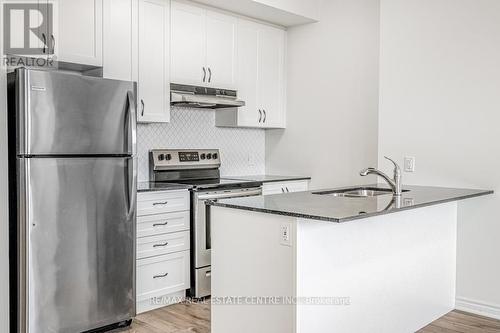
(80, 220)
(62, 113)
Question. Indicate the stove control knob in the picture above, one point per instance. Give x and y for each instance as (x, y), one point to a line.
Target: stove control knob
(214, 156)
(209, 156)
(202, 156)
(161, 157)
(168, 157)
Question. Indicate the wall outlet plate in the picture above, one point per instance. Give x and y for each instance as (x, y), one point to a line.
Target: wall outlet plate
(285, 236)
(409, 164)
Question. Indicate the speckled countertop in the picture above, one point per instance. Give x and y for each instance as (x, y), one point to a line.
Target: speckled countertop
(157, 186)
(310, 205)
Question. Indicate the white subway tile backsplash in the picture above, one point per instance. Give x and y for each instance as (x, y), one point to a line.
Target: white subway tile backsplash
(242, 150)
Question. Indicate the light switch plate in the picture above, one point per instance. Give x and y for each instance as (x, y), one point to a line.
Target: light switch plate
(409, 164)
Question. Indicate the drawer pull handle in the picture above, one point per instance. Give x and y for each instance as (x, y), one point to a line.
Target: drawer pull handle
(160, 203)
(161, 245)
(208, 274)
(160, 276)
(159, 224)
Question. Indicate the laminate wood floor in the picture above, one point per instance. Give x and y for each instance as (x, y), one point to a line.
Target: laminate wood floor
(195, 318)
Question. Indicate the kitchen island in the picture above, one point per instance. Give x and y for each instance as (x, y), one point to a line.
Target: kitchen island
(324, 261)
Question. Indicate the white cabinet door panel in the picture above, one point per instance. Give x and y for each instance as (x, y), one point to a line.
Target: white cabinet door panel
(153, 71)
(248, 68)
(188, 40)
(221, 50)
(77, 31)
(118, 39)
(271, 65)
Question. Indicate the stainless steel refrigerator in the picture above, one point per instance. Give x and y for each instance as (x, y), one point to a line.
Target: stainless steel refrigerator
(72, 165)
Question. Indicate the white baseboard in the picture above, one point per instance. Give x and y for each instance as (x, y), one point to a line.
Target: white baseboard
(478, 307)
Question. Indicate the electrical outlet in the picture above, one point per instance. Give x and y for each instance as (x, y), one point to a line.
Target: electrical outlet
(285, 237)
(409, 164)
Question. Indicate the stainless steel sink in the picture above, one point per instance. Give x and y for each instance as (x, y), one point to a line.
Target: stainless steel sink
(358, 192)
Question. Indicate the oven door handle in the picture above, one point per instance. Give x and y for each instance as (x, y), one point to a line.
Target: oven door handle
(237, 194)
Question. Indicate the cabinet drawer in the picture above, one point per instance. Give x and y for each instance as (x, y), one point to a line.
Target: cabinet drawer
(151, 225)
(162, 202)
(162, 244)
(162, 275)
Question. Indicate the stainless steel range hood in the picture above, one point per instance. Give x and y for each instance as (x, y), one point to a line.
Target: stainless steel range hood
(203, 97)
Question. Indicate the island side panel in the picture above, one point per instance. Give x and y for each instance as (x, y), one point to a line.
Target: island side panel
(398, 271)
(249, 260)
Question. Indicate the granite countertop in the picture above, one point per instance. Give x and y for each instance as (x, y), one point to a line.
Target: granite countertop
(342, 209)
(152, 186)
(269, 178)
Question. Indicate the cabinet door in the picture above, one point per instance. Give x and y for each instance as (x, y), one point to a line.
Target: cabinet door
(119, 38)
(221, 50)
(188, 39)
(248, 68)
(77, 31)
(271, 68)
(153, 84)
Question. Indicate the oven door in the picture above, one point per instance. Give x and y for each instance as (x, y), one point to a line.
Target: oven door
(201, 213)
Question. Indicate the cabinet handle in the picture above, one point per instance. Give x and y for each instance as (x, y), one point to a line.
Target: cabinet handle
(159, 224)
(204, 74)
(44, 41)
(265, 115)
(160, 276)
(160, 203)
(161, 245)
(282, 190)
(260, 115)
(287, 189)
(209, 74)
(53, 43)
(142, 107)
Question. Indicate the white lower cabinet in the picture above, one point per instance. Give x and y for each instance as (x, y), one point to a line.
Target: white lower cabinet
(285, 187)
(163, 249)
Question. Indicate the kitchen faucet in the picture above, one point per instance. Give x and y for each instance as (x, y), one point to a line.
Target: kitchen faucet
(394, 183)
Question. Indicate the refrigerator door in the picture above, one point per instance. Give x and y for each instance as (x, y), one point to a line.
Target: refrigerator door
(63, 113)
(80, 244)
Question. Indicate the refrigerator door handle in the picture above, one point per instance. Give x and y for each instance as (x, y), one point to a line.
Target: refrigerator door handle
(132, 122)
(131, 178)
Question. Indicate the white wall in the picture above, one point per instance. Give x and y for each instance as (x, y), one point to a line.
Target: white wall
(332, 69)
(440, 102)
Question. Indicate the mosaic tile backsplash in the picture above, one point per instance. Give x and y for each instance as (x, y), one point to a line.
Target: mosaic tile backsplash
(242, 150)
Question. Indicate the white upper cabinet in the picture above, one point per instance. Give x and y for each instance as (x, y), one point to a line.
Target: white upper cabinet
(261, 81)
(221, 50)
(248, 74)
(203, 46)
(188, 41)
(136, 48)
(270, 96)
(153, 61)
(119, 39)
(77, 31)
